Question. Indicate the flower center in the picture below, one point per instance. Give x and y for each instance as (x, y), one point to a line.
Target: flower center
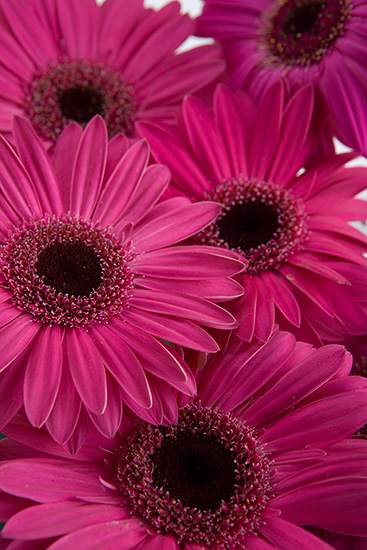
(301, 32)
(259, 221)
(72, 268)
(206, 479)
(76, 90)
(67, 271)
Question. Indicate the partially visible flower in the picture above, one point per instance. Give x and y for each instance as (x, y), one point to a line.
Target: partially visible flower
(63, 60)
(259, 454)
(321, 42)
(306, 266)
(91, 282)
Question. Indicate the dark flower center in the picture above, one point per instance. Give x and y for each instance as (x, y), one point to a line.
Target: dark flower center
(67, 271)
(71, 268)
(196, 469)
(301, 32)
(249, 225)
(260, 221)
(206, 479)
(76, 90)
(81, 103)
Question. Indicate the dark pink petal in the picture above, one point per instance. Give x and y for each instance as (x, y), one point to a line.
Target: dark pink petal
(187, 262)
(122, 184)
(36, 161)
(64, 158)
(124, 534)
(167, 149)
(121, 362)
(284, 298)
(244, 309)
(185, 306)
(177, 331)
(288, 158)
(59, 424)
(48, 483)
(344, 505)
(298, 382)
(157, 358)
(43, 374)
(15, 337)
(287, 536)
(89, 168)
(175, 226)
(205, 140)
(11, 384)
(87, 370)
(79, 27)
(58, 518)
(159, 542)
(265, 134)
(17, 185)
(265, 313)
(109, 422)
(330, 419)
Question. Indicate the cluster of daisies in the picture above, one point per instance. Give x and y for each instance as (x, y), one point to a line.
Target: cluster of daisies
(183, 297)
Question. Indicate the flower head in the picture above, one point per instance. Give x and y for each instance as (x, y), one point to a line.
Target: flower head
(306, 269)
(260, 453)
(91, 282)
(117, 60)
(321, 42)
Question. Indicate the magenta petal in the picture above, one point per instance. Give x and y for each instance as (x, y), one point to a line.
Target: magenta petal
(64, 158)
(57, 518)
(108, 423)
(122, 184)
(87, 370)
(79, 27)
(41, 486)
(15, 338)
(89, 168)
(175, 226)
(16, 184)
(37, 163)
(329, 419)
(11, 397)
(122, 363)
(287, 536)
(59, 424)
(109, 535)
(43, 374)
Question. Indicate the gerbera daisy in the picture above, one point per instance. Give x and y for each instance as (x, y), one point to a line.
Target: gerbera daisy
(306, 265)
(260, 453)
(323, 42)
(90, 282)
(62, 60)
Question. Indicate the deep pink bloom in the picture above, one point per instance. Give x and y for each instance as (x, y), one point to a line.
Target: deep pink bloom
(91, 281)
(64, 60)
(259, 454)
(305, 41)
(306, 266)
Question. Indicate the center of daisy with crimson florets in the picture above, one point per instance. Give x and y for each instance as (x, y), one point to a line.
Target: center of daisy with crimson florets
(206, 479)
(67, 270)
(301, 32)
(261, 222)
(76, 90)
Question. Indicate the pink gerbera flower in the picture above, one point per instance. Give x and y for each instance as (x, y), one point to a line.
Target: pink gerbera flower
(323, 42)
(90, 282)
(63, 60)
(306, 266)
(260, 453)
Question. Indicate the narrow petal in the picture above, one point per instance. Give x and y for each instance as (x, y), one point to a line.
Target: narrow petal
(287, 536)
(15, 337)
(89, 168)
(43, 374)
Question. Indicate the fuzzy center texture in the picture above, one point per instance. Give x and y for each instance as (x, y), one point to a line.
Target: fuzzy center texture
(76, 90)
(206, 479)
(260, 221)
(301, 32)
(68, 271)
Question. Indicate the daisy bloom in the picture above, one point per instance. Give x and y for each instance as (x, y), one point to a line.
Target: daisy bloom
(62, 60)
(91, 281)
(306, 266)
(260, 453)
(322, 42)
